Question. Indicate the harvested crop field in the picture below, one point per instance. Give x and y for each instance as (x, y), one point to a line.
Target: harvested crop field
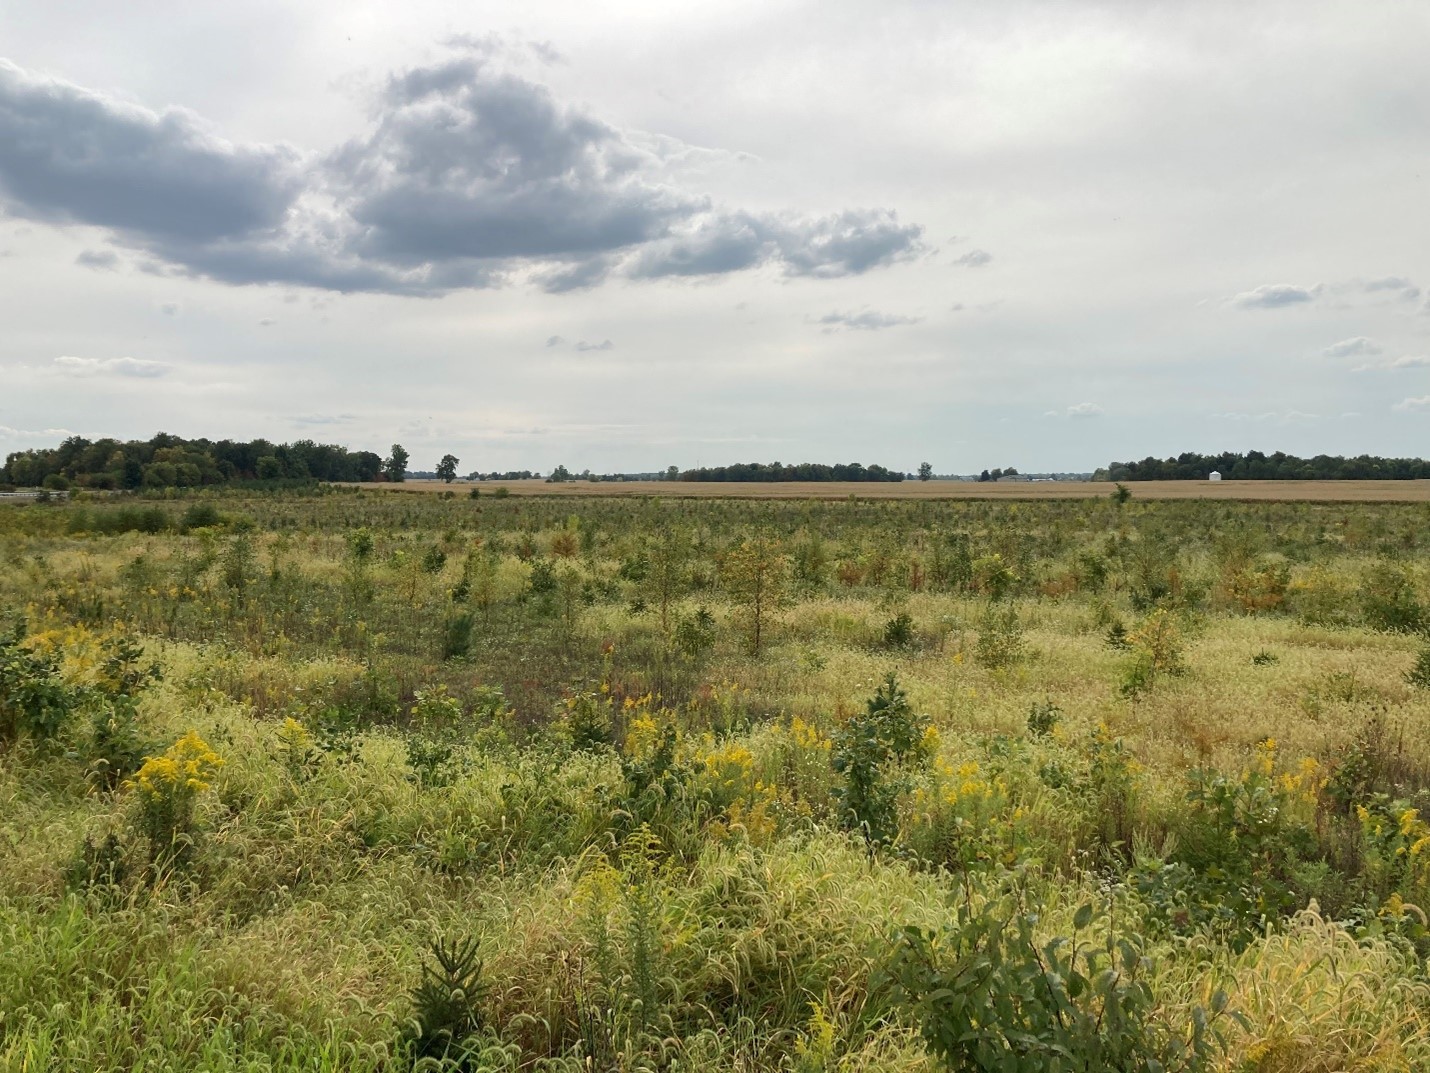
(1302, 491)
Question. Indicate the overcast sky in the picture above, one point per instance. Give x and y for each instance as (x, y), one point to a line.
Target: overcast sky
(629, 235)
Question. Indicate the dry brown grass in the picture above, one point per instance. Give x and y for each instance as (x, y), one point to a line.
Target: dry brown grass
(1322, 491)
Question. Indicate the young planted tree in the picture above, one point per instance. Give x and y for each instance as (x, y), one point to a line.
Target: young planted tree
(447, 468)
(755, 574)
(665, 578)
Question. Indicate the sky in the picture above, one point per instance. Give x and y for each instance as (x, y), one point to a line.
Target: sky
(629, 235)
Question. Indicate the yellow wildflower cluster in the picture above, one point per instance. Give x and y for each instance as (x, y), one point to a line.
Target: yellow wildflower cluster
(1398, 850)
(1301, 786)
(644, 727)
(962, 815)
(807, 735)
(295, 745)
(78, 649)
(187, 768)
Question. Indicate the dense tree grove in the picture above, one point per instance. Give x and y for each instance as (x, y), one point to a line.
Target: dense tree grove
(804, 471)
(1256, 466)
(171, 461)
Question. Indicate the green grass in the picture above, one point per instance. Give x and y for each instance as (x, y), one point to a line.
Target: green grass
(698, 904)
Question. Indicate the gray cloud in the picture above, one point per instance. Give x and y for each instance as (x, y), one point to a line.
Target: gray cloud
(578, 276)
(169, 309)
(1275, 296)
(1391, 283)
(72, 366)
(604, 344)
(105, 260)
(554, 340)
(72, 156)
(974, 259)
(471, 176)
(843, 244)
(868, 321)
(1352, 348)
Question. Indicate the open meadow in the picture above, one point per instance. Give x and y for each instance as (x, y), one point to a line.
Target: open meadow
(1279, 491)
(613, 778)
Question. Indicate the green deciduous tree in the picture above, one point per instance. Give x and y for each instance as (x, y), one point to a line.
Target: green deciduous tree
(755, 573)
(396, 465)
(447, 468)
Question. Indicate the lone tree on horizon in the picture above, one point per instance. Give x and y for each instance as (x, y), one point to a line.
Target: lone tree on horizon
(925, 471)
(396, 465)
(447, 468)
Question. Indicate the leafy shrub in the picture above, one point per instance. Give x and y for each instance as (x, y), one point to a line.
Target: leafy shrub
(868, 751)
(1043, 717)
(1389, 602)
(695, 634)
(1241, 853)
(34, 701)
(987, 995)
(1000, 637)
(119, 745)
(994, 576)
(200, 516)
(1157, 649)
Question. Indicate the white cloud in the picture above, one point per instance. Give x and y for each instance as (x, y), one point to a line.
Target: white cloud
(1352, 348)
(866, 321)
(48, 434)
(1276, 296)
(974, 259)
(1408, 361)
(140, 367)
(1415, 404)
(1085, 409)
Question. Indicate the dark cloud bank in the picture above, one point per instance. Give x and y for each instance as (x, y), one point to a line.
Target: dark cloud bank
(469, 176)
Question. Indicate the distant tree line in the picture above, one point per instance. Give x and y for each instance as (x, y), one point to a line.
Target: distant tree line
(508, 475)
(804, 471)
(997, 474)
(170, 461)
(1256, 466)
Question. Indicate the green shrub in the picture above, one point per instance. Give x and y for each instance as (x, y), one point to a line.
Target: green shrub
(1389, 601)
(988, 995)
(868, 752)
(34, 701)
(1000, 637)
(1043, 717)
